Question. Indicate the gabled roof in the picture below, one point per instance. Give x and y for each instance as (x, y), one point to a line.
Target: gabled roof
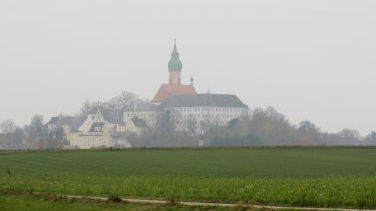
(169, 89)
(112, 116)
(95, 125)
(204, 100)
(74, 122)
(53, 120)
(139, 122)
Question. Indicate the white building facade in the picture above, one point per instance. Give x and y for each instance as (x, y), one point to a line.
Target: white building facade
(97, 132)
(149, 113)
(197, 113)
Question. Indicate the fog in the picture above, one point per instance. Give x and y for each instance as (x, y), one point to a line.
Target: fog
(310, 60)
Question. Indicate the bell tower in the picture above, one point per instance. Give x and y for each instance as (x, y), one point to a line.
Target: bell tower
(174, 67)
(174, 86)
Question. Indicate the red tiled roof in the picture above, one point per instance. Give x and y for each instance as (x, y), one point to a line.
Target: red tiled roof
(167, 89)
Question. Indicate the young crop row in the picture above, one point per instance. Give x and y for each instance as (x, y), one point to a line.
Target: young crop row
(216, 162)
(356, 192)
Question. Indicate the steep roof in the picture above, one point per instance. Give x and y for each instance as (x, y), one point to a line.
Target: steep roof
(204, 100)
(53, 120)
(74, 122)
(168, 89)
(139, 122)
(95, 125)
(112, 116)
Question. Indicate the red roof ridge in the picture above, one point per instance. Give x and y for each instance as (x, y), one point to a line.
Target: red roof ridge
(167, 89)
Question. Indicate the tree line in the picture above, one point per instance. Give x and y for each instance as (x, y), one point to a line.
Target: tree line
(269, 127)
(263, 127)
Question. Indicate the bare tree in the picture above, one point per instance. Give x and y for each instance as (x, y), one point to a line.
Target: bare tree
(35, 131)
(191, 125)
(92, 107)
(126, 100)
(13, 136)
(272, 127)
(205, 126)
(370, 139)
(164, 124)
(8, 126)
(16, 142)
(85, 109)
(349, 137)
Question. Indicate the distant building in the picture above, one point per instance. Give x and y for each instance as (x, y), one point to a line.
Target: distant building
(136, 125)
(188, 111)
(67, 123)
(180, 104)
(195, 113)
(147, 112)
(192, 113)
(97, 132)
(174, 86)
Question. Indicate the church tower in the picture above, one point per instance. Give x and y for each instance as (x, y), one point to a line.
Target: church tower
(174, 67)
(174, 86)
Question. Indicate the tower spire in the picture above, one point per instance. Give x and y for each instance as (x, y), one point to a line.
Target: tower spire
(175, 66)
(175, 49)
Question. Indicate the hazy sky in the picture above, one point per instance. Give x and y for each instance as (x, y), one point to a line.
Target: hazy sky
(310, 59)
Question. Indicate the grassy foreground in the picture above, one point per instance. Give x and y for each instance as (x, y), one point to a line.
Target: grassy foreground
(320, 177)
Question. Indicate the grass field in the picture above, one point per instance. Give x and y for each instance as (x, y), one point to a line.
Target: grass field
(321, 176)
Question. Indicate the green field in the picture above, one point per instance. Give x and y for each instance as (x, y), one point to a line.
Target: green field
(320, 177)
(27, 202)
